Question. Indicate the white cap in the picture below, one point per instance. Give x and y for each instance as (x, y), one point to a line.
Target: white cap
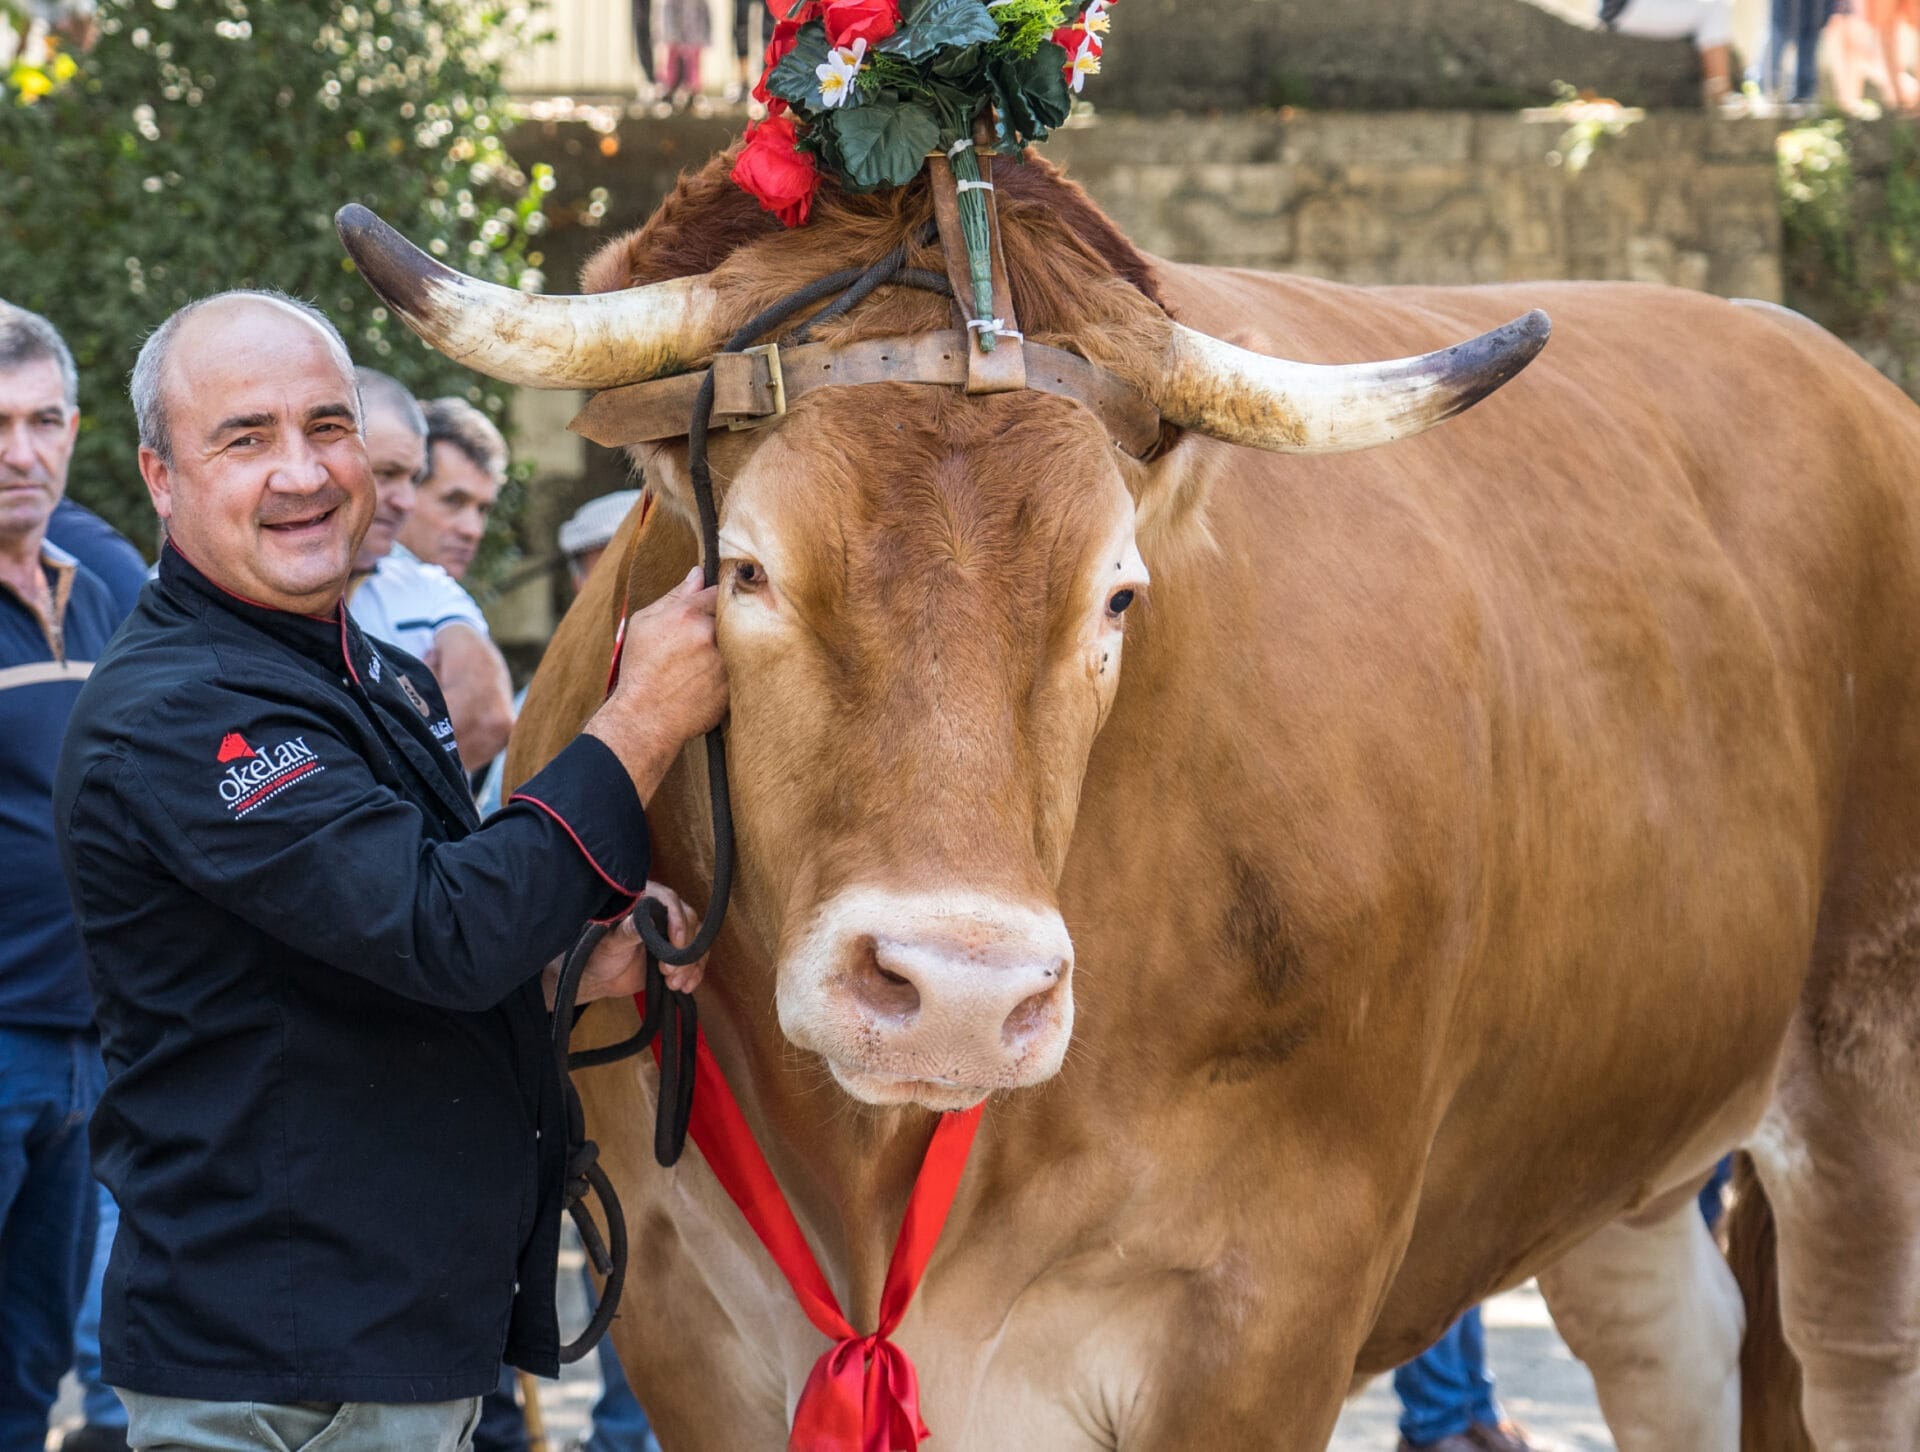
(595, 523)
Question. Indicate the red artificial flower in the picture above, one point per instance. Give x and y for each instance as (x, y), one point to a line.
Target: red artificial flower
(786, 35)
(780, 176)
(869, 20)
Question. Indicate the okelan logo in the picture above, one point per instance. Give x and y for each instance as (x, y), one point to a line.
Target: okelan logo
(257, 774)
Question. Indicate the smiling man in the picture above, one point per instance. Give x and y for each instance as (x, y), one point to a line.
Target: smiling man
(331, 1118)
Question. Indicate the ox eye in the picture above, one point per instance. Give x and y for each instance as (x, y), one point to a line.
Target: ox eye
(1118, 602)
(747, 575)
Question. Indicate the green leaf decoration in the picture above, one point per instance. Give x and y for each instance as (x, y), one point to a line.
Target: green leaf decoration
(884, 143)
(796, 80)
(954, 108)
(1032, 93)
(930, 25)
(961, 65)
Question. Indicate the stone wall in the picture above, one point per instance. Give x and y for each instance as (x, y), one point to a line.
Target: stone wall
(1189, 55)
(1404, 197)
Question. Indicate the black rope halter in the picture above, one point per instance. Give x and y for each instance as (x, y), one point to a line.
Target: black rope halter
(672, 1017)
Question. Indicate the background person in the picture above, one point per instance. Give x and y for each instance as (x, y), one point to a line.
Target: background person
(466, 467)
(1707, 23)
(103, 550)
(416, 606)
(1447, 1399)
(300, 936)
(55, 619)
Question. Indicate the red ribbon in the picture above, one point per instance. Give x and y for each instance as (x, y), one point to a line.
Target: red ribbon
(863, 1394)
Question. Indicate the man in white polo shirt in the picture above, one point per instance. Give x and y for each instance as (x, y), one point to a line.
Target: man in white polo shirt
(419, 607)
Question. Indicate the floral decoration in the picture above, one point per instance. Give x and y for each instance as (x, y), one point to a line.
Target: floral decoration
(866, 89)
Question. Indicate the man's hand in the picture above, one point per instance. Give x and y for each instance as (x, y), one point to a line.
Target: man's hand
(618, 966)
(672, 685)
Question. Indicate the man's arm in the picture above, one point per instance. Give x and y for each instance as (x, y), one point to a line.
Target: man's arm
(266, 809)
(473, 677)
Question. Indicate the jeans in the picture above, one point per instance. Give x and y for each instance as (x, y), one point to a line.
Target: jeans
(619, 1424)
(49, 1082)
(1448, 1389)
(643, 35)
(1797, 23)
(101, 1406)
(178, 1424)
(1712, 1194)
(503, 1423)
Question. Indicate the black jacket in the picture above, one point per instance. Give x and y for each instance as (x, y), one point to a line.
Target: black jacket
(331, 1120)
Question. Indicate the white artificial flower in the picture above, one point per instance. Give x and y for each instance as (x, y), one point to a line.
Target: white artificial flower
(843, 64)
(1084, 62)
(1095, 20)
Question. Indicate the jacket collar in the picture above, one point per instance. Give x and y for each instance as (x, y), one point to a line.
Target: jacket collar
(335, 643)
(333, 640)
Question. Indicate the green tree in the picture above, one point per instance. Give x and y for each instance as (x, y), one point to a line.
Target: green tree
(205, 144)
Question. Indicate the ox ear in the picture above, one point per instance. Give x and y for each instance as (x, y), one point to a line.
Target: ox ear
(1284, 407)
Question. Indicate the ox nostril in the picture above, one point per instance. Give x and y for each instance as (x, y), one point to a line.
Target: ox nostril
(1031, 1016)
(882, 991)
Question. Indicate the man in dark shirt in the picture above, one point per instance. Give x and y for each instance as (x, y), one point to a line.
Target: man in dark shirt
(55, 619)
(103, 550)
(332, 1123)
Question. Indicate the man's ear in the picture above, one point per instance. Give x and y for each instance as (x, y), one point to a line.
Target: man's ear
(159, 479)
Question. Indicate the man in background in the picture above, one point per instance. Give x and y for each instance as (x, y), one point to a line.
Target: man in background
(466, 466)
(416, 606)
(55, 619)
(102, 549)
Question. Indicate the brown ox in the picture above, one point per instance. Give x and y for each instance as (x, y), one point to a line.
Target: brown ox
(1486, 833)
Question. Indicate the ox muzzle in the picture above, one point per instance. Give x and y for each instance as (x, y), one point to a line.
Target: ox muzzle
(932, 999)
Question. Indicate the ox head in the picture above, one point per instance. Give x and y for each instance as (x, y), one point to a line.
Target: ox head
(924, 596)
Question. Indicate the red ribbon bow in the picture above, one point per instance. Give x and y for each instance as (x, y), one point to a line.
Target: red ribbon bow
(863, 1394)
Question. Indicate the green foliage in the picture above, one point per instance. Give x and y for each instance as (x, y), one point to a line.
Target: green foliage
(930, 25)
(1816, 187)
(886, 143)
(1026, 25)
(205, 144)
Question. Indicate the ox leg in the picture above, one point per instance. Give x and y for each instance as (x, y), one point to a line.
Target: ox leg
(1839, 1156)
(1649, 1305)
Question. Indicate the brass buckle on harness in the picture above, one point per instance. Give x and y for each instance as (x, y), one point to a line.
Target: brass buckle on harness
(758, 417)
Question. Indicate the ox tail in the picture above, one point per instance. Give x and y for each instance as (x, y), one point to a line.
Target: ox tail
(1769, 1375)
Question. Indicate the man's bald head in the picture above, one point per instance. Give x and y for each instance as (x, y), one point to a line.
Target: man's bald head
(244, 307)
(251, 448)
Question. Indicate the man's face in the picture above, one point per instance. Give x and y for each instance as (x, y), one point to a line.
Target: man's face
(398, 457)
(450, 516)
(37, 431)
(269, 491)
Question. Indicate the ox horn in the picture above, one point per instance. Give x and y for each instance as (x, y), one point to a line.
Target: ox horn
(1230, 393)
(601, 340)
